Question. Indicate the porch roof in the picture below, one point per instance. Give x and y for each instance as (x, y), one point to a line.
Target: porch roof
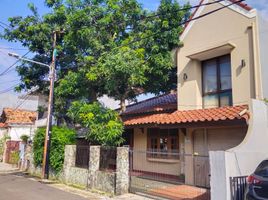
(230, 113)
(3, 125)
(162, 103)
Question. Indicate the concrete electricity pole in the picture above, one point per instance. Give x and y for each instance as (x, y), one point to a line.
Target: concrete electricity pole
(45, 169)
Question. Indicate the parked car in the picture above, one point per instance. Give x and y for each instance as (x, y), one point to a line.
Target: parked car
(257, 187)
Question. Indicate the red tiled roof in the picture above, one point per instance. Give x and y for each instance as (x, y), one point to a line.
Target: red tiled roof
(18, 116)
(3, 125)
(166, 102)
(242, 5)
(189, 116)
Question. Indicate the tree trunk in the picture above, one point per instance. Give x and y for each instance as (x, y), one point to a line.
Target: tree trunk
(93, 96)
(122, 105)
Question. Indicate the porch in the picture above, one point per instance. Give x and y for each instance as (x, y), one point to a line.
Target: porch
(172, 149)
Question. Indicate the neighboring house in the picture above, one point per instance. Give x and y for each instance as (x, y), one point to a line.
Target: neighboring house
(222, 66)
(11, 100)
(18, 122)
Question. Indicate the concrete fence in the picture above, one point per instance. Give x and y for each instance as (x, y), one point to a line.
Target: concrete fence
(93, 178)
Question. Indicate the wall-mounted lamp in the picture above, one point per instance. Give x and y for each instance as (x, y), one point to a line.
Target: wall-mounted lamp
(243, 63)
(185, 76)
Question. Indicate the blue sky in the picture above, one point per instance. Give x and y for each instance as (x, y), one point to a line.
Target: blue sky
(19, 8)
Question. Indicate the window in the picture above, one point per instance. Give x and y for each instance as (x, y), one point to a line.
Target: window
(163, 143)
(217, 82)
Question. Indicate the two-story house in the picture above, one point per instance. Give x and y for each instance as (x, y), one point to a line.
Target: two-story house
(222, 66)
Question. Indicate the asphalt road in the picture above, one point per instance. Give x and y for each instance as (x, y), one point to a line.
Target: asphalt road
(16, 187)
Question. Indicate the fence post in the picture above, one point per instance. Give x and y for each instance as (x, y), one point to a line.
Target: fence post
(69, 160)
(94, 164)
(122, 171)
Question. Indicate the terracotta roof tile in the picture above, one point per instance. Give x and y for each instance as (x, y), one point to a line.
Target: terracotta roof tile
(156, 104)
(3, 125)
(18, 116)
(188, 116)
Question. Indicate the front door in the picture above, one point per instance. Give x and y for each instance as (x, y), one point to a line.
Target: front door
(201, 159)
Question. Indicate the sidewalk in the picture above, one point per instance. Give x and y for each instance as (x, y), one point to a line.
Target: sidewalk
(5, 168)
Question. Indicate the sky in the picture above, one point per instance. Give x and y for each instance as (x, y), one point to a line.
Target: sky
(11, 8)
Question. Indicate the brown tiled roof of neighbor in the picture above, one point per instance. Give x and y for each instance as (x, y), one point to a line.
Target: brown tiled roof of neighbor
(166, 102)
(3, 125)
(19, 116)
(191, 116)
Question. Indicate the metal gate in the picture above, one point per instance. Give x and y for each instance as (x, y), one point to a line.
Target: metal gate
(158, 174)
(238, 187)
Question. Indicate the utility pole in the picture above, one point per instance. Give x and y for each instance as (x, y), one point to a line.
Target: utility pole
(45, 169)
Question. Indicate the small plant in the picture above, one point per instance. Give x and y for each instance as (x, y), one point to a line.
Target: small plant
(14, 157)
(24, 138)
(41, 109)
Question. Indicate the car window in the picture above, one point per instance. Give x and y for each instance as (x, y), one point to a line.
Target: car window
(262, 169)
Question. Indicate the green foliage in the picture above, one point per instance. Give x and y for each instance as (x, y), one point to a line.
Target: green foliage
(266, 100)
(60, 137)
(105, 126)
(24, 138)
(2, 145)
(112, 47)
(14, 157)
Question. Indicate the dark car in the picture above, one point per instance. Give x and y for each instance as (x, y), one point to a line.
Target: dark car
(257, 187)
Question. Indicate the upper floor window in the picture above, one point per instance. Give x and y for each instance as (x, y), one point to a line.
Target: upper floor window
(217, 82)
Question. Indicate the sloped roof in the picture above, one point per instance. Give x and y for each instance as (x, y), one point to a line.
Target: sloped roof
(3, 125)
(162, 103)
(18, 116)
(241, 4)
(189, 116)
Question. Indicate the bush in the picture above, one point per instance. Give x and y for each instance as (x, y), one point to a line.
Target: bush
(24, 138)
(14, 157)
(60, 137)
(104, 125)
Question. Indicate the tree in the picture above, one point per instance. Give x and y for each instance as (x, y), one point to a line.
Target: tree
(104, 125)
(112, 47)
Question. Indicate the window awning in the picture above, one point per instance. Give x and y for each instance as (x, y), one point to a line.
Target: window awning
(212, 52)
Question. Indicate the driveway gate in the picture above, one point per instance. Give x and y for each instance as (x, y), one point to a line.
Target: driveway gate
(157, 174)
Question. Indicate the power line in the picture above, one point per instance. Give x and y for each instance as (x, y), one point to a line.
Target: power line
(24, 100)
(9, 81)
(7, 69)
(8, 89)
(11, 48)
(180, 24)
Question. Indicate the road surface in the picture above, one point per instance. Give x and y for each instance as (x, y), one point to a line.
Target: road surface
(16, 187)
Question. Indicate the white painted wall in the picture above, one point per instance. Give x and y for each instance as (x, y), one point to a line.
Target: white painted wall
(243, 159)
(263, 40)
(3, 131)
(16, 131)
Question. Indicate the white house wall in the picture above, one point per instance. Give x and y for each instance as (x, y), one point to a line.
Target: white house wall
(15, 132)
(3, 131)
(243, 159)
